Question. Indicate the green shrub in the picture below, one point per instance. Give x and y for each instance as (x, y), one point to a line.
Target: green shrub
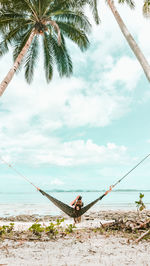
(59, 221)
(69, 228)
(36, 229)
(6, 229)
(51, 229)
(139, 204)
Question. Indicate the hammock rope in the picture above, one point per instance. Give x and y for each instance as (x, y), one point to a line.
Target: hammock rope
(15, 170)
(70, 211)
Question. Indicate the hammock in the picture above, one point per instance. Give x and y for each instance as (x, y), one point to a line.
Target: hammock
(77, 213)
(70, 211)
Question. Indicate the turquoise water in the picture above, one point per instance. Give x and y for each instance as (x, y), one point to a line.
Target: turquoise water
(36, 203)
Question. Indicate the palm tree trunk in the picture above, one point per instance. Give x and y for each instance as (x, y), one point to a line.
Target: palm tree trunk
(138, 53)
(17, 62)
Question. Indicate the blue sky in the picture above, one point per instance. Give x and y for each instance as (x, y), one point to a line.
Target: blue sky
(86, 131)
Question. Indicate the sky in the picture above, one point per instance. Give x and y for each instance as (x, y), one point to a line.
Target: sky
(86, 131)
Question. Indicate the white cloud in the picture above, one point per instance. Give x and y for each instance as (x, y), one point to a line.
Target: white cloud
(30, 114)
(145, 98)
(94, 109)
(37, 150)
(80, 152)
(125, 70)
(57, 182)
(73, 103)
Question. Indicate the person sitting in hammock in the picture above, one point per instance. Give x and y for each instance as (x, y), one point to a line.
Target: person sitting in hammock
(78, 204)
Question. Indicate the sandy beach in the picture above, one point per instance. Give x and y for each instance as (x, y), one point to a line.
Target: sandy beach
(98, 250)
(86, 245)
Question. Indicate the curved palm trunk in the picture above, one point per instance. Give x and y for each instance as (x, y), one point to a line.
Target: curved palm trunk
(17, 62)
(138, 53)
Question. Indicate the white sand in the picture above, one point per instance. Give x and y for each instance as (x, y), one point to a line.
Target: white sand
(75, 250)
(97, 250)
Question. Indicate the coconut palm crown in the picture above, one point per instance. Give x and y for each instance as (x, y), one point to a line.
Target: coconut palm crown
(146, 8)
(22, 25)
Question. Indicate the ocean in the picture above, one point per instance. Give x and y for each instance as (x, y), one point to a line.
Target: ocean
(36, 203)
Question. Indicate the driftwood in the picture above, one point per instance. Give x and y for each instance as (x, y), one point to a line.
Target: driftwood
(143, 225)
(143, 235)
(129, 225)
(107, 224)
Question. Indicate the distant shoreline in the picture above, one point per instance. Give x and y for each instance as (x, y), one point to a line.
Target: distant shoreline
(78, 190)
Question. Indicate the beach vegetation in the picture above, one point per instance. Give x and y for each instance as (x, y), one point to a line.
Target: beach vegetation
(69, 228)
(134, 228)
(51, 229)
(36, 229)
(140, 204)
(6, 229)
(31, 25)
(59, 221)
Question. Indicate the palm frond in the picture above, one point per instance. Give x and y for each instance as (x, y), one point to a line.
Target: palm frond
(77, 35)
(59, 5)
(130, 3)
(19, 44)
(15, 5)
(93, 5)
(32, 7)
(61, 56)
(31, 59)
(3, 48)
(37, 6)
(9, 38)
(8, 19)
(13, 32)
(48, 57)
(77, 18)
(79, 5)
(43, 7)
(146, 9)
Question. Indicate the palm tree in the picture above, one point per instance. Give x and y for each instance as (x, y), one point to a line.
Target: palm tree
(24, 22)
(132, 43)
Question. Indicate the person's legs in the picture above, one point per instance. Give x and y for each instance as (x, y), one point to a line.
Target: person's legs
(79, 219)
(75, 220)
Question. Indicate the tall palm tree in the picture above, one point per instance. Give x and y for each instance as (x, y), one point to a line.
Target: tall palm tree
(23, 22)
(132, 43)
